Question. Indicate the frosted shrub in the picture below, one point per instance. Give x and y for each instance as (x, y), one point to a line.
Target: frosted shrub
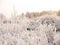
(47, 34)
(47, 20)
(32, 25)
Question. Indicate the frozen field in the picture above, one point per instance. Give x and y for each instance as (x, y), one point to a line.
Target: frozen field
(31, 30)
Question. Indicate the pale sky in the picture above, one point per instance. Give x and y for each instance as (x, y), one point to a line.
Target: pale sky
(22, 6)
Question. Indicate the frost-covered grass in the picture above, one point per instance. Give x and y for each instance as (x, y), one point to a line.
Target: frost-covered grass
(39, 36)
(44, 30)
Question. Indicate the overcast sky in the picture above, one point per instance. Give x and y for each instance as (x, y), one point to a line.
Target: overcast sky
(7, 6)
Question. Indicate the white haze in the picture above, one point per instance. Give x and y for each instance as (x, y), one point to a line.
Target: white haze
(7, 7)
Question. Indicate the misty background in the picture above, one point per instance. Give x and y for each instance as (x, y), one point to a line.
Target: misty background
(9, 7)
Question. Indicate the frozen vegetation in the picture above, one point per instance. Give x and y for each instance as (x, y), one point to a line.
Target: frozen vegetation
(26, 30)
